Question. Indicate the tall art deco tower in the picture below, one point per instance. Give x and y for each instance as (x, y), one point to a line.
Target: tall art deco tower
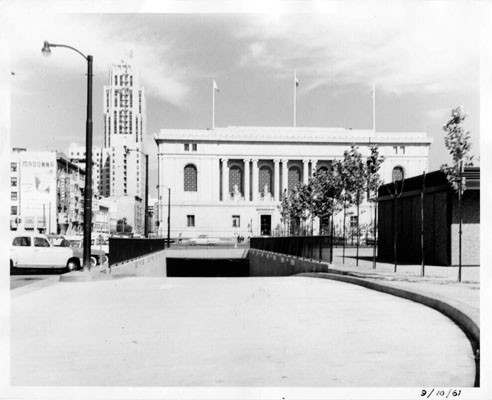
(124, 130)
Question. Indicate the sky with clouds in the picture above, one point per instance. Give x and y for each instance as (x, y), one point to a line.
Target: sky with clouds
(424, 58)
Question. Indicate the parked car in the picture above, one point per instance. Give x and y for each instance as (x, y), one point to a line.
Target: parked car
(203, 240)
(101, 244)
(99, 255)
(32, 250)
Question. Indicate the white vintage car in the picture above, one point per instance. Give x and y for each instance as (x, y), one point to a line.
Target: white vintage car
(203, 240)
(32, 250)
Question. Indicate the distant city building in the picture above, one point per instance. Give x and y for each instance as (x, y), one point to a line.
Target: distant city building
(124, 129)
(100, 166)
(123, 158)
(131, 209)
(229, 181)
(46, 192)
(152, 214)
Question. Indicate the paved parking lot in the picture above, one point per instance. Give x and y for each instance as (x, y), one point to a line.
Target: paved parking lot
(290, 331)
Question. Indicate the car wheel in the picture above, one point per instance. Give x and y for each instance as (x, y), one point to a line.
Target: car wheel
(13, 270)
(72, 265)
(104, 260)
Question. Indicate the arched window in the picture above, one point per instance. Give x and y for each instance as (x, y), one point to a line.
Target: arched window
(294, 177)
(398, 174)
(190, 178)
(235, 179)
(265, 180)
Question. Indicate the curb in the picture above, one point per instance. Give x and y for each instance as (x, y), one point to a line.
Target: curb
(467, 325)
(85, 276)
(22, 290)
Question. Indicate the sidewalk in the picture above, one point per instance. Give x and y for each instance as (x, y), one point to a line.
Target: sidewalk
(438, 282)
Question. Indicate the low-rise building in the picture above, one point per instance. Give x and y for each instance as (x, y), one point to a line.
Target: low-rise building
(407, 208)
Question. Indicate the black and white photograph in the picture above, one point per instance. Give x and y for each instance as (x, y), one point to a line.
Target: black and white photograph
(245, 200)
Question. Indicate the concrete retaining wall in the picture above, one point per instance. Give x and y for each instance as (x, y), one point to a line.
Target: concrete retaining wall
(153, 264)
(265, 263)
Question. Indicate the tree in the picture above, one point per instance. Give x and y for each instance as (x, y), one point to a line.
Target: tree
(326, 192)
(353, 177)
(457, 141)
(373, 164)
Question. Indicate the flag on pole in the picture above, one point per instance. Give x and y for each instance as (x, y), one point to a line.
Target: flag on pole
(374, 106)
(216, 87)
(296, 84)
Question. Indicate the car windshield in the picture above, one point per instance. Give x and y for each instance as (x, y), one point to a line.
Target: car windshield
(73, 243)
(58, 242)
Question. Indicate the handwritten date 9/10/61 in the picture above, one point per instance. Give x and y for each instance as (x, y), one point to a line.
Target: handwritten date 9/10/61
(445, 393)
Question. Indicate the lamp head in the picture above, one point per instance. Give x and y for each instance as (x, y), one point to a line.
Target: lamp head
(46, 50)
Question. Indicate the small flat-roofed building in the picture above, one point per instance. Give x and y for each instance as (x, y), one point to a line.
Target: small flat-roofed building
(400, 215)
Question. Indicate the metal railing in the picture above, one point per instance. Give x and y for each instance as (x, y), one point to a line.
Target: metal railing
(312, 247)
(121, 249)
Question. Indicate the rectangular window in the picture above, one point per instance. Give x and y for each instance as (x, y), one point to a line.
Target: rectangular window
(116, 98)
(41, 242)
(187, 147)
(236, 221)
(131, 80)
(190, 220)
(24, 241)
(194, 147)
(353, 221)
(13, 195)
(116, 79)
(13, 210)
(13, 167)
(115, 119)
(13, 181)
(396, 149)
(402, 148)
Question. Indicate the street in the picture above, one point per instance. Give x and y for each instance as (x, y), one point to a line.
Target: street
(29, 276)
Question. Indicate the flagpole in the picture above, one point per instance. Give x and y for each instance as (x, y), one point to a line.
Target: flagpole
(295, 96)
(213, 104)
(374, 106)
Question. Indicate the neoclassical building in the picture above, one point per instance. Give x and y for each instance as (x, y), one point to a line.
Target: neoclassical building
(229, 181)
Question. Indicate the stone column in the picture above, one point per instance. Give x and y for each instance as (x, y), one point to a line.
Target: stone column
(225, 179)
(285, 176)
(246, 179)
(255, 179)
(276, 179)
(305, 171)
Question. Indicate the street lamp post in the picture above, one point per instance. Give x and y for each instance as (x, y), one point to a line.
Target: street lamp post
(46, 50)
(168, 211)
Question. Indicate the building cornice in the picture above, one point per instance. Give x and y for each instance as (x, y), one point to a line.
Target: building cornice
(291, 135)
